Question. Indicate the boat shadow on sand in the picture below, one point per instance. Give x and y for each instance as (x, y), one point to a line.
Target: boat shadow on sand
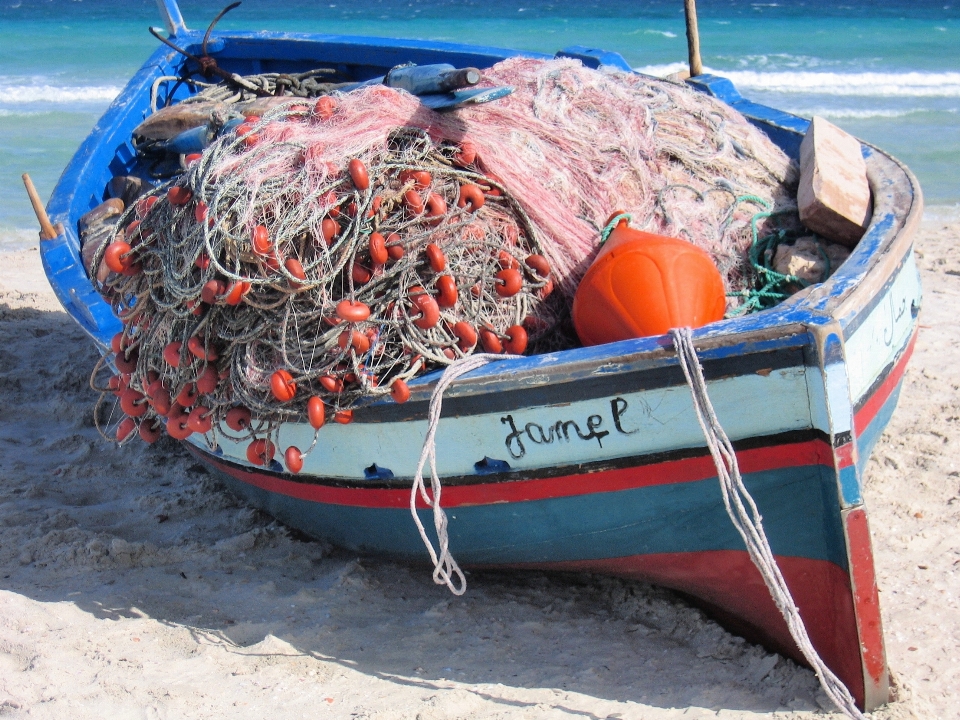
(143, 536)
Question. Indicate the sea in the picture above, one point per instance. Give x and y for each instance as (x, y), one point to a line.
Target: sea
(887, 71)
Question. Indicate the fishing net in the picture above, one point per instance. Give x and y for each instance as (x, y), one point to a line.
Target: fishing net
(325, 254)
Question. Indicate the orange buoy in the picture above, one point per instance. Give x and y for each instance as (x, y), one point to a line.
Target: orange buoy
(344, 417)
(238, 418)
(509, 282)
(436, 258)
(399, 391)
(352, 311)
(125, 429)
(490, 341)
(325, 108)
(516, 340)
(466, 335)
(199, 420)
(358, 174)
(207, 380)
(471, 197)
(331, 383)
(171, 353)
(316, 412)
(294, 459)
(150, 430)
(260, 452)
(378, 249)
(447, 293)
(282, 385)
(113, 257)
(643, 284)
(188, 395)
(465, 154)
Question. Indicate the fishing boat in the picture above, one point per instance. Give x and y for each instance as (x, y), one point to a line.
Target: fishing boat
(592, 459)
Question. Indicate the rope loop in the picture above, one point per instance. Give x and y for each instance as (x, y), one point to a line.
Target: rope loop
(614, 221)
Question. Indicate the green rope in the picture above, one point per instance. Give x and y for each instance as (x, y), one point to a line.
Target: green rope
(769, 286)
(614, 221)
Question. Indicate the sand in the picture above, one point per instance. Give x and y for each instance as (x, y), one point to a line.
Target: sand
(132, 586)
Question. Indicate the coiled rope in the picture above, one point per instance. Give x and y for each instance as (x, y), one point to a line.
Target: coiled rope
(746, 519)
(445, 568)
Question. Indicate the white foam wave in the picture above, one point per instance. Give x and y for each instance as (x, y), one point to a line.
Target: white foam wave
(864, 84)
(665, 33)
(24, 94)
(852, 114)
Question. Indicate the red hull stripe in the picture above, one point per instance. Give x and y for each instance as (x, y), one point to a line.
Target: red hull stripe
(811, 452)
(866, 597)
(729, 585)
(865, 415)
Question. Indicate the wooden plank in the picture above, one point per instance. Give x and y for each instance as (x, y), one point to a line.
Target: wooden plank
(834, 196)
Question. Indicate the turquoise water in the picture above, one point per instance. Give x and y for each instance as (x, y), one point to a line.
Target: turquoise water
(889, 72)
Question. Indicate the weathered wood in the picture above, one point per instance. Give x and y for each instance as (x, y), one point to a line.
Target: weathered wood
(834, 196)
(693, 38)
(47, 231)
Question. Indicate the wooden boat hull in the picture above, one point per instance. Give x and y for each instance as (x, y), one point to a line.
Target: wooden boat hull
(592, 459)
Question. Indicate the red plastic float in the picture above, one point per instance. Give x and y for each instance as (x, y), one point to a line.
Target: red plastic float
(466, 154)
(325, 108)
(399, 391)
(113, 257)
(344, 417)
(642, 284)
(378, 249)
(200, 420)
(179, 195)
(466, 335)
(150, 431)
(294, 459)
(316, 412)
(235, 293)
(436, 208)
(125, 429)
(282, 385)
(358, 174)
(490, 341)
(260, 239)
(188, 395)
(509, 282)
(413, 201)
(471, 197)
(428, 307)
(238, 418)
(261, 452)
(516, 340)
(330, 229)
(352, 311)
(207, 380)
(331, 383)
(171, 353)
(447, 294)
(436, 258)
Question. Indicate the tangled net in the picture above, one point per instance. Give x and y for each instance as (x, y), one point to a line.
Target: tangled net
(323, 255)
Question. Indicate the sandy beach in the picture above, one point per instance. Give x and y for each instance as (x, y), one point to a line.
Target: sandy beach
(132, 586)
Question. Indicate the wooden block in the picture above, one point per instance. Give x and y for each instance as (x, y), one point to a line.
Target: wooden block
(834, 196)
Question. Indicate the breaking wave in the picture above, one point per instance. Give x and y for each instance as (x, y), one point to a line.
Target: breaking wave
(862, 84)
(25, 94)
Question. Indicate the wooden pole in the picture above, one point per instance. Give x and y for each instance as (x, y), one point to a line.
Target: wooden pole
(693, 37)
(47, 231)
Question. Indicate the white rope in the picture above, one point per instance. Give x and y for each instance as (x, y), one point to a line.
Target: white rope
(749, 525)
(445, 568)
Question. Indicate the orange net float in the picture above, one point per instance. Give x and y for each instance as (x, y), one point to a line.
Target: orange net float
(641, 284)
